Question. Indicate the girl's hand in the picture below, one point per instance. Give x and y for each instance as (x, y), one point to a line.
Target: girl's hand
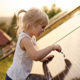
(47, 59)
(57, 48)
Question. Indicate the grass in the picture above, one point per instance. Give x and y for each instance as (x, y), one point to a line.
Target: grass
(4, 65)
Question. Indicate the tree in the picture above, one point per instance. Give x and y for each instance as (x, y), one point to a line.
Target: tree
(11, 30)
(4, 26)
(51, 12)
(45, 9)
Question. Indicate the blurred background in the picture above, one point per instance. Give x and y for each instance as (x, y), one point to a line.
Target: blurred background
(64, 17)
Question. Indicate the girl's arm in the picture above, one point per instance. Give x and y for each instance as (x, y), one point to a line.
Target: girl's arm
(35, 54)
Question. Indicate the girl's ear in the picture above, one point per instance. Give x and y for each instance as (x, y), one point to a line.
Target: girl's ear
(30, 25)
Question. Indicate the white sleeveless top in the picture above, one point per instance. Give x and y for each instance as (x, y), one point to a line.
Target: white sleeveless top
(22, 63)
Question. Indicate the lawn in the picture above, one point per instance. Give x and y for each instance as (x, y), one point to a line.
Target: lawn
(4, 65)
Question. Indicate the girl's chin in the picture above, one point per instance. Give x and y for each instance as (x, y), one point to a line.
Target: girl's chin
(38, 35)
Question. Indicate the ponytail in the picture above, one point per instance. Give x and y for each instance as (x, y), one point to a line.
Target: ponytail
(20, 12)
(19, 23)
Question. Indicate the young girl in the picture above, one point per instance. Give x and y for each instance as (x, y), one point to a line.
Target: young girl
(33, 22)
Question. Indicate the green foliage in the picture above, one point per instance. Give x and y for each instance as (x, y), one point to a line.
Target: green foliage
(45, 9)
(51, 12)
(12, 30)
(4, 65)
(4, 26)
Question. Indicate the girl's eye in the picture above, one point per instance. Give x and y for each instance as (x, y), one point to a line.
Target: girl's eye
(43, 27)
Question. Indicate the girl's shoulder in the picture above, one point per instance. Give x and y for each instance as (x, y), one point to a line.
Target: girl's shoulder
(26, 38)
(22, 34)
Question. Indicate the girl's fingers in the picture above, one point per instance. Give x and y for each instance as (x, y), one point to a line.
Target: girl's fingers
(49, 58)
(58, 48)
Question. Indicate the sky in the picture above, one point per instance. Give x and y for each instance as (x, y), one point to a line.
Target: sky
(9, 7)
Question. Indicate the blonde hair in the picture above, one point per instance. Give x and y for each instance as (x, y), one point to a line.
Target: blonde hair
(34, 15)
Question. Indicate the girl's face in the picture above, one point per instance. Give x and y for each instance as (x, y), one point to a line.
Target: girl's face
(38, 29)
